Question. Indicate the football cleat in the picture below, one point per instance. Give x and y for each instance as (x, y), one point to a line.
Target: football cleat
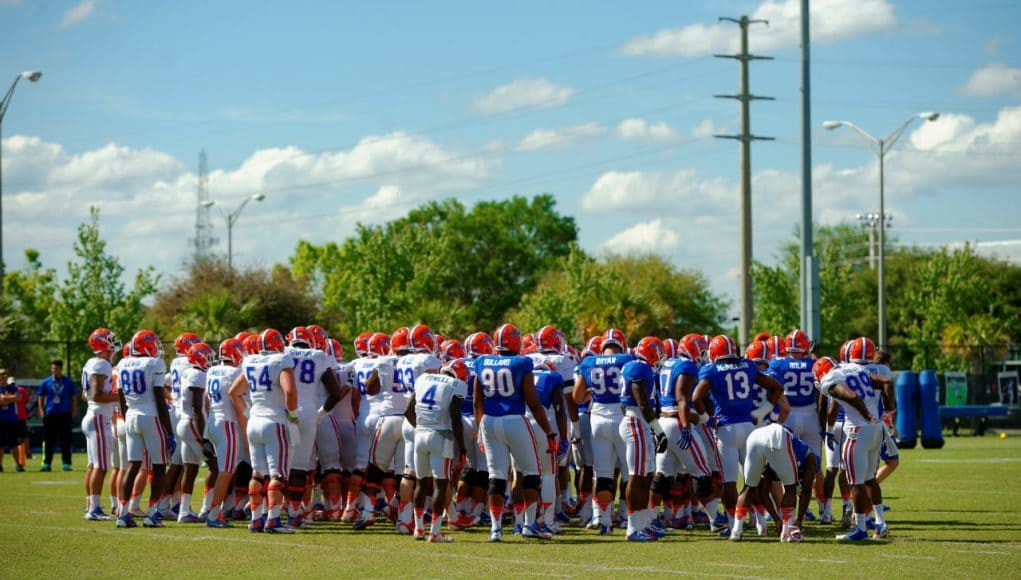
(439, 539)
(219, 522)
(187, 518)
(792, 535)
(168, 514)
(845, 519)
(605, 530)
(761, 527)
(350, 515)
(640, 537)
(881, 531)
(238, 515)
(656, 531)
(593, 524)
(870, 524)
(152, 522)
(810, 516)
(485, 520)
(854, 535)
(405, 529)
(364, 522)
(203, 516)
(826, 519)
(97, 515)
(126, 522)
(725, 532)
(534, 532)
(517, 529)
(735, 536)
(496, 536)
(257, 525)
(275, 526)
(684, 524)
(562, 518)
(419, 534)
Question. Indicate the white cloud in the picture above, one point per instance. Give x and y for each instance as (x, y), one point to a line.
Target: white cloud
(635, 129)
(993, 80)
(653, 236)
(522, 94)
(77, 13)
(705, 129)
(559, 138)
(147, 197)
(652, 193)
(832, 21)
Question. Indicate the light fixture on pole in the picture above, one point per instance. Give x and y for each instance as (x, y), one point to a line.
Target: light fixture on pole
(31, 76)
(231, 218)
(882, 147)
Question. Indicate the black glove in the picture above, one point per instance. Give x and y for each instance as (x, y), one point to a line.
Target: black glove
(208, 451)
(661, 442)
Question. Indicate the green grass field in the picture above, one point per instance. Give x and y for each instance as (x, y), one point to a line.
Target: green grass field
(956, 512)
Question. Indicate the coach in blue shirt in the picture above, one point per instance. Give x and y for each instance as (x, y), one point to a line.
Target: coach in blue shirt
(58, 406)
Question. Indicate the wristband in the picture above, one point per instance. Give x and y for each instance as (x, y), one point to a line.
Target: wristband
(292, 416)
(703, 418)
(656, 427)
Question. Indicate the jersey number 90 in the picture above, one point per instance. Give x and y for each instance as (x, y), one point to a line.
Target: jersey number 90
(497, 382)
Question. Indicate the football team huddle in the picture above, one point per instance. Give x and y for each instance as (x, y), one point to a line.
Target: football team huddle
(420, 429)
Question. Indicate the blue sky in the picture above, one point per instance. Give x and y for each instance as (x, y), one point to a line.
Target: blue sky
(358, 111)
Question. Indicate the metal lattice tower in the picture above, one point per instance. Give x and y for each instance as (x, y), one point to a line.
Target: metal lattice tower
(203, 240)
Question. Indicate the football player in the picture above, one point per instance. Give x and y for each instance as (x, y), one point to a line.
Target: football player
(581, 441)
(272, 428)
(732, 381)
(598, 380)
(338, 429)
(169, 507)
(375, 345)
(549, 388)
(471, 489)
(149, 433)
(313, 372)
(503, 389)
(97, 385)
(852, 386)
(552, 348)
(191, 423)
(229, 444)
(435, 413)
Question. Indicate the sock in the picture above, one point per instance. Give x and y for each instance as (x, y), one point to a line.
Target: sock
(547, 514)
(730, 518)
(123, 511)
(859, 521)
(274, 510)
(214, 513)
(477, 510)
(152, 508)
(207, 499)
(228, 503)
(259, 511)
(529, 514)
(604, 510)
(420, 517)
(785, 513)
(632, 525)
(185, 504)
(738, 526)
(877, 512)
(434, 527)
(96, 503)
(519, 513)
(496, 513)
(114, 503)
(164, 502)
(711, 509)
(133, 505)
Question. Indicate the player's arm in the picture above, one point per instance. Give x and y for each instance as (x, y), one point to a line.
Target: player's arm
(808, 471)
(682, 392)
(886, 386)
(821, 410)
(123, 404)
(7, 399)
(197, 410)
(478, 404)
(236, 392)
(290, 391)
(162, 410)
(774, 394)
(560, 412)
(456, 424)
(580, 391)
(409, 412)
(334, 391)
(698, 396)
(533, 402)
(41, 401)
(641, 395)
(842, 393)
(372, 384)
(356, 400)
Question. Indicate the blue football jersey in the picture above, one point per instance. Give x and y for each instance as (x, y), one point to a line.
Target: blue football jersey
(796, 377)
(602, 375)
(546, 382)
(671, 370)
(582, 407)
(500, 380)
(635, 371)
(734, 391)
(468, 407)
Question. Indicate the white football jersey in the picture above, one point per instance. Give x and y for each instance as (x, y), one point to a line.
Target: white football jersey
(172, 379)
(191, 378)
(433, 395)
(262, 371)
(414, 365)
(138, 379)
(218, 381)
(362, 369)
(392, 400)
(102, 367)
(563, 365)
(858, 379)
(345, 378)
(309, 366)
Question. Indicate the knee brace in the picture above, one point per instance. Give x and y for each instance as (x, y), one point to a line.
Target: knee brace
(410, 478)
(468, 475)
(481, 478)
(276, 484)
(703, 486)
(661, 484)
(497, 487)
(398, 477)
(604, 484)
(531, 482)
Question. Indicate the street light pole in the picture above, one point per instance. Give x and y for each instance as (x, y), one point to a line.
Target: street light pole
(882, 147)
(231, 218)
(31, 76)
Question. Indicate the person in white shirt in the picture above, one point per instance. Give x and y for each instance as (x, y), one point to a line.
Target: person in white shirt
(97, 387)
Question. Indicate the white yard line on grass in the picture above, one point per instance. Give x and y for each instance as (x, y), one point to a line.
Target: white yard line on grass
(974, 460)
(389, 552)
(908, 557)
(982, 552)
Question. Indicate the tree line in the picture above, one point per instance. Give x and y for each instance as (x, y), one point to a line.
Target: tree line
(462, 269)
